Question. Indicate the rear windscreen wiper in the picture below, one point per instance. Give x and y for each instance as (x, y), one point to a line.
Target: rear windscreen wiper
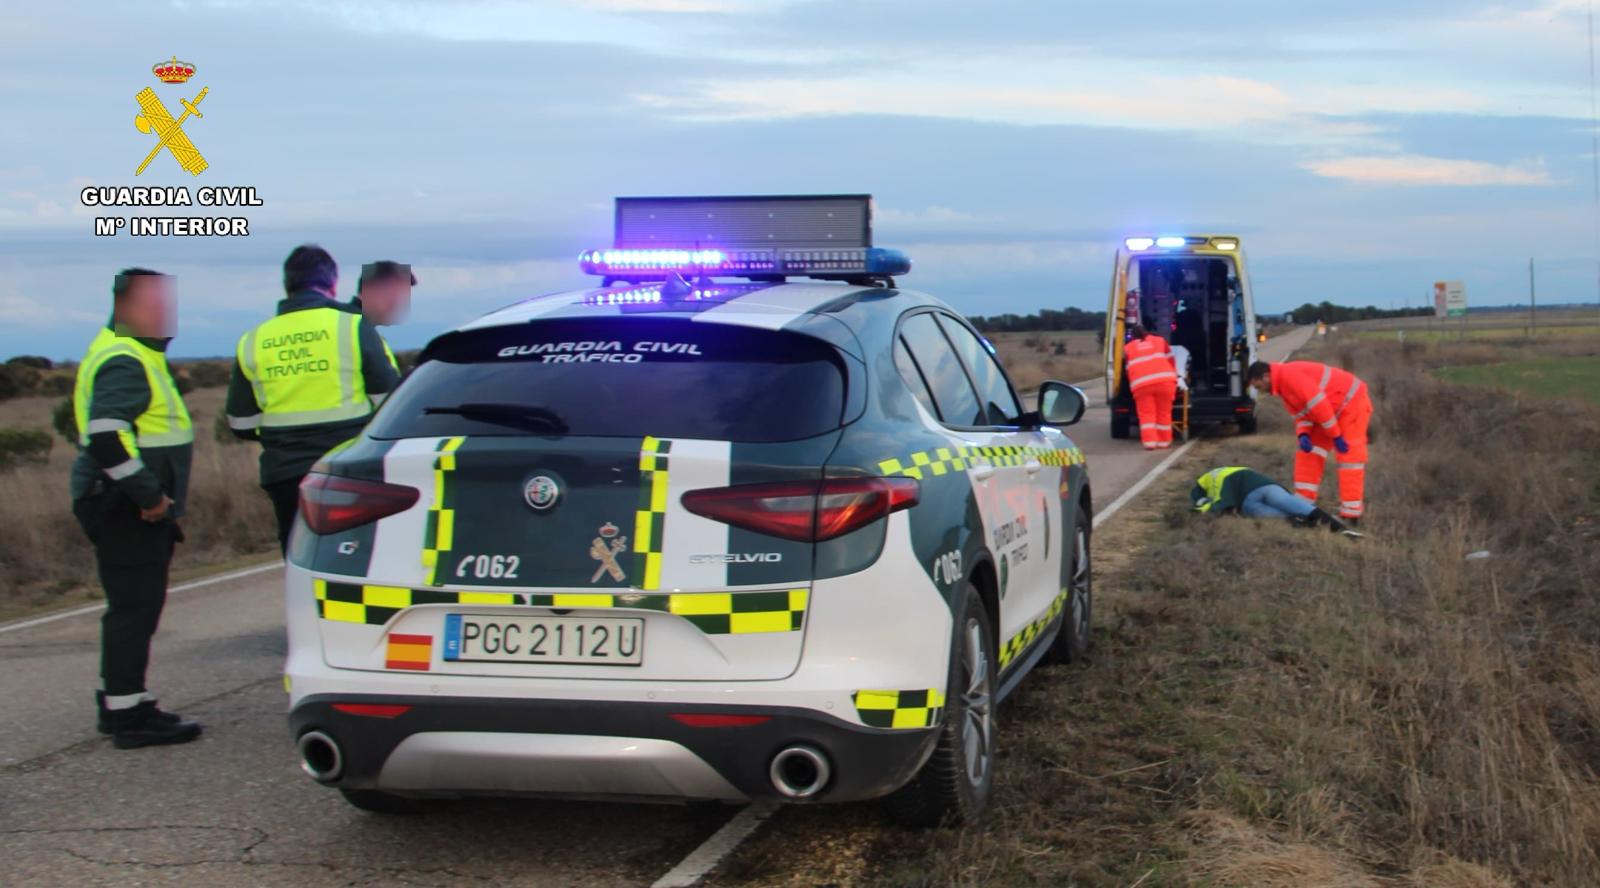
(519, 415)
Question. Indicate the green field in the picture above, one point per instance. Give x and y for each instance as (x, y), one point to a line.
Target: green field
(1548, 377)
(1446, 331)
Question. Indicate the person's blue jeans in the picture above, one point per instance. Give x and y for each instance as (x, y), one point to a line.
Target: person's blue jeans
(1273, 501)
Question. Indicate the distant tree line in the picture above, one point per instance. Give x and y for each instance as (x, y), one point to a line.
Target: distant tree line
(1045, 320)
(1329, 313)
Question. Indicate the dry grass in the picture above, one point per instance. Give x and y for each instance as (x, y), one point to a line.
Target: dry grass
(1031, 358)
(1268, 706)
(44, 557)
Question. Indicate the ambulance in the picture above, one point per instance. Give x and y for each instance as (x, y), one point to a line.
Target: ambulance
(1194, 291)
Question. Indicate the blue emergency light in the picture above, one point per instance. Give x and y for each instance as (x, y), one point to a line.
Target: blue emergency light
(758, 237)
(1175, 242)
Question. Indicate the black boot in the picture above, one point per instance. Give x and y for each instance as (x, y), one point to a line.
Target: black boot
(145, 725)
(102, 721)
(1335, 525)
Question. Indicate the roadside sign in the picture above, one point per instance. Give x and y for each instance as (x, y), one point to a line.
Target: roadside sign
(1449, 299)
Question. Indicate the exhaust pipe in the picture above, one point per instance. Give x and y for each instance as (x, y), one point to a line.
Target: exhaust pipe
(320, 757)
(800, 772)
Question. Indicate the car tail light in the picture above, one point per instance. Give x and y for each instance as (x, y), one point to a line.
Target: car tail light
(712, 720)
(331, 503)
(373, 710)
(810, 511)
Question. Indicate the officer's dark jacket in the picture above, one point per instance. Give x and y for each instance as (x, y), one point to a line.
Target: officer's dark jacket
(122, 391)
(289, 452)
(1235, 488)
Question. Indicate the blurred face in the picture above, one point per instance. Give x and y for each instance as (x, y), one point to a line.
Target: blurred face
(387, 301)
(150, 308)
(1262, 385)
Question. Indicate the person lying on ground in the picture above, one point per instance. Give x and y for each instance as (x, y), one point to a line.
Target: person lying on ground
(1243, 491)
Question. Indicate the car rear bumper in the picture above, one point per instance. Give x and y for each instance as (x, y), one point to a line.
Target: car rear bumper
(1203, 408)
(579, 748)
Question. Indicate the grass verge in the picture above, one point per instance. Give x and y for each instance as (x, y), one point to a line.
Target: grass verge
(1274, 707)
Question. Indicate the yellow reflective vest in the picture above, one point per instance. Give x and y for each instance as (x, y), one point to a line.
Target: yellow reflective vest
(305, 368)
(165, 423)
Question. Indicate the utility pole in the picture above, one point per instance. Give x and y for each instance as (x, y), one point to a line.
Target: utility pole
(1533, 301)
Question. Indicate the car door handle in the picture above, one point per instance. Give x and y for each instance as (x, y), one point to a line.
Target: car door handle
(984, 471)
(1033, 466)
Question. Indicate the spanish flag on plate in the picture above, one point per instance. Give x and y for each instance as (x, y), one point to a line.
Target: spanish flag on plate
(409, 652)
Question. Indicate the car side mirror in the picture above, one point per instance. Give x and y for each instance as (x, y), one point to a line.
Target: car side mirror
(1061, 404)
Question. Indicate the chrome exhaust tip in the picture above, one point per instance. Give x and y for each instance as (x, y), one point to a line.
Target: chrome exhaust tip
(320, 757)
(800, 772)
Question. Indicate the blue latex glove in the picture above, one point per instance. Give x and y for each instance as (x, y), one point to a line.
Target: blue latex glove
(1341, 445)
(1305, 443)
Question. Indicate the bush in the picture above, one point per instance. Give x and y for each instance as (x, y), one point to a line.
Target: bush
(56, 385)
(17, 380)
(208, 374)
(223, 434)
(65, 421)
(34, 361)
(24, 444)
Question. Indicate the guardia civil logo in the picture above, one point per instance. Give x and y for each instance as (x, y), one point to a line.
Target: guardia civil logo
(154, 118)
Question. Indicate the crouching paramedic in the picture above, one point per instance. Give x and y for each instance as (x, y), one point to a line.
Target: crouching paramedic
(306, 380)
(1153, 381)
(1331, 411)
(128, 487)
(1244, 491)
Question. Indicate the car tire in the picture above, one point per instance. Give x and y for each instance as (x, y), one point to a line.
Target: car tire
(1121, 424)
(1247, 424)
(381, 802)
(954, 785)
(1071, 644)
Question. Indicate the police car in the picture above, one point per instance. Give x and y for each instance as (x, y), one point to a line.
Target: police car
(745, 521)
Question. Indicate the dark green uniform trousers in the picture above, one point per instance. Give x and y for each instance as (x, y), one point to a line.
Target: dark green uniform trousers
(133, 557)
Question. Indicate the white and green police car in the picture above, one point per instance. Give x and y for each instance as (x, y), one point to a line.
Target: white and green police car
(746, 521)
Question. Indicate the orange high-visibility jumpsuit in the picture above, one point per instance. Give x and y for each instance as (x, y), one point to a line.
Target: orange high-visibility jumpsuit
(1153, 380)
(1327, 403)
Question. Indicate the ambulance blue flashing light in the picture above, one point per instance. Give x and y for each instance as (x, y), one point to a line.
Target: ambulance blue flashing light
(645, 264)
(1169, 242)
(1140, 243)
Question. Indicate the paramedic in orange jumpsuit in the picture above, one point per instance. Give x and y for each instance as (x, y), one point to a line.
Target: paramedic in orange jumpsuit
(1331, 410)
(1153, 380)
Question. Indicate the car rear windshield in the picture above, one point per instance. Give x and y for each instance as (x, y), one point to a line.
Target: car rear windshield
(626, 377)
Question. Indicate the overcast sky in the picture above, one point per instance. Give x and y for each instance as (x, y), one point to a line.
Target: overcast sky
(1362, 149)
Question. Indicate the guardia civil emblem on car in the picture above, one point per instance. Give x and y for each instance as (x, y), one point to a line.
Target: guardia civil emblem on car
(541, 492)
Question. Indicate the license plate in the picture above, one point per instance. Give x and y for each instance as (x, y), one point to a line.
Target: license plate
(595, 641)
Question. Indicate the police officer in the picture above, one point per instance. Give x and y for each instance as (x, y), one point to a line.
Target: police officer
(383, 296)
(128, 487)
(306, 380)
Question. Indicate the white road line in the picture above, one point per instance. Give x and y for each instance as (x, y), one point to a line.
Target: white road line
(705, 858)
(1139, 486)
(96, 608)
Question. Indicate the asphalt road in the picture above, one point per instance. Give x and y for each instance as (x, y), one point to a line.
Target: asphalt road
(233, 807)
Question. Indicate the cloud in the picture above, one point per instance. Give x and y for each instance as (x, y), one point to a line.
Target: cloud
(1416, 169)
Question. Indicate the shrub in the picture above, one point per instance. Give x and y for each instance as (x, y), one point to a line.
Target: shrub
(65, 421)
(55, 385)
(34, 361)
(208, 374)
(17, 380)
(223, 434)
(24, 444)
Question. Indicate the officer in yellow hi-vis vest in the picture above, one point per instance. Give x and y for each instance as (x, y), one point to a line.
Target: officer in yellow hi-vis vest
(383, 296)
(128, 488)
(306, 380)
